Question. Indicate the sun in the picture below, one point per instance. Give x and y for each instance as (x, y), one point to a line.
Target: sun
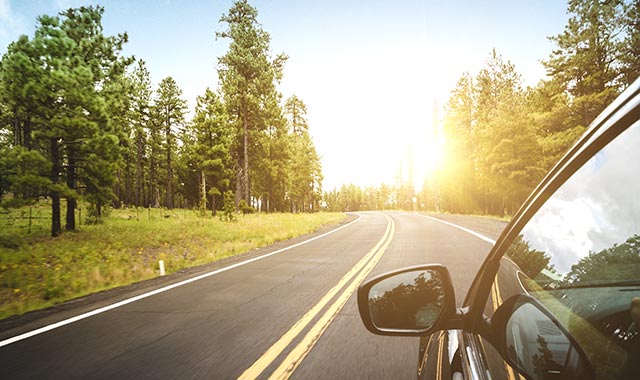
(425, 155)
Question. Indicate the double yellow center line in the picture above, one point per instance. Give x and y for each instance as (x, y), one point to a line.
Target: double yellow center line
(352, 279)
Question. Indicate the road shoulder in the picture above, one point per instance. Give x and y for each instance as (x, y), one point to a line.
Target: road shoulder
(21, 324)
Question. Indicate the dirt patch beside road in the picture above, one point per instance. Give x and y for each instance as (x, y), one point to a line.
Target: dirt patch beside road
(487, 226)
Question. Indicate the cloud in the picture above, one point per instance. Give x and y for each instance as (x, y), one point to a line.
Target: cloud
(6, 15)
(11, 23)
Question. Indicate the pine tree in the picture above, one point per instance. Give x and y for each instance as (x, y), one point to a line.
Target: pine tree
(211, 141)
(91, 132)
(60, 78)
(247, 76)
(169, 109)
(586, 62)
(140, 98)
(306, 173)
(272, 164)
(631, 45)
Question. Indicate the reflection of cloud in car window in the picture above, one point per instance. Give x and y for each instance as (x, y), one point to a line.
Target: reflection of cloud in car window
(598, 161)
(596, 208)
(561, 230)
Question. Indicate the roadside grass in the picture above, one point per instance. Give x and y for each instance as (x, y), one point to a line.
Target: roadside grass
(37, 271)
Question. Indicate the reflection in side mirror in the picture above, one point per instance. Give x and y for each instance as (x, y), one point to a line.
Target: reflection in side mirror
(537, 344)
(406, 302)
(410, 300)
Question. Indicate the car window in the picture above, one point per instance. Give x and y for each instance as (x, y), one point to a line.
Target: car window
(580, 257)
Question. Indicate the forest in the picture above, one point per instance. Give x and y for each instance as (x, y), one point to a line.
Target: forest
(81, 122)
(500, 138)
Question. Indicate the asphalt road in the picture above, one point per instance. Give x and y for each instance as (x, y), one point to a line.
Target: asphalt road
(288, 315)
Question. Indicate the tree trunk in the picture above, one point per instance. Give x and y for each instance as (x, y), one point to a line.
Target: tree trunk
(139, 168)
(26, 140)
(128, 179)
(169, 170)
(245, 147)
(56, 228)
(16, 128)
(154, 197)
(118, 186)
(203, 191)
(239, 193)
(71, 184)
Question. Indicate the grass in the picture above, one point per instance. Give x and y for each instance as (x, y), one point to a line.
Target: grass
(37, 271)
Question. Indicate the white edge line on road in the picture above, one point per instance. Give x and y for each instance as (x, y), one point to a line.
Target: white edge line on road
(479, 236)
(161, 290)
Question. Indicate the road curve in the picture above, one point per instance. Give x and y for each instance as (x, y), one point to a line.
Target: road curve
(220, 326)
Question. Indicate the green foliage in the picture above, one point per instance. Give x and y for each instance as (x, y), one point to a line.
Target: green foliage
(76, 123)
(586, 62)
(530, 261)
(67, 96)
(630, 57)
(58, 86)
(619, 263)
(228, 211)
(245, 208)
(169, 109)
(247, 77)
(140, 120)
(306, 172)
(23, 174)
(96, 213)
(492, 152)
(206, 156)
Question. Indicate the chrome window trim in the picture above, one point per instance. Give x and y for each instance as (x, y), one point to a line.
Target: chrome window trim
(474, 364)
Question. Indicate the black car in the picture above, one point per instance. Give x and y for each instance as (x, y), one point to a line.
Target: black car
(558, 296)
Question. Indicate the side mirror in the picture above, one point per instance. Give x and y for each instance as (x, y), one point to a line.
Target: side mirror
(407, 302)
(531, 340)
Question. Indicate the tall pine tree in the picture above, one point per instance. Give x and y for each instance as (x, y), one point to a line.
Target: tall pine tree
(61, 78)
(247, 75)
(169, 110)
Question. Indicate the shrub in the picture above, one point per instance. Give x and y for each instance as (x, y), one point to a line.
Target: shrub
(245, 208)
(228, 207)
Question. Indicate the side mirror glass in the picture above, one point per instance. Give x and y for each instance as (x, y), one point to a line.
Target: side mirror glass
(406, 302)
(532, 341)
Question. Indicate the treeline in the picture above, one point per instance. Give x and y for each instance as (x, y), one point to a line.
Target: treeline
(501, 138)
(80, 121)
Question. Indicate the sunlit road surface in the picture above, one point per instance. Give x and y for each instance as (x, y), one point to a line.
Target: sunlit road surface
(289, 315)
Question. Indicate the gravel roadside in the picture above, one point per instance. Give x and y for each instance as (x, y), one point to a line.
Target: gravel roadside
(487, 226)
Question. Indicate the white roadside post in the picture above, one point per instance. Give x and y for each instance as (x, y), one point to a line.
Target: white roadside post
(161, 264)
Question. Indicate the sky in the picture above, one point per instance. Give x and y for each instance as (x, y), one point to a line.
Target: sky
(372, 74)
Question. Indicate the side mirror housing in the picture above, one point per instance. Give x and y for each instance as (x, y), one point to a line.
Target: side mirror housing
(531, 340)
(408, 302)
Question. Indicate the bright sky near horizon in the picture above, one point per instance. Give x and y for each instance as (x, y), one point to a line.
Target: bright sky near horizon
(371, 73)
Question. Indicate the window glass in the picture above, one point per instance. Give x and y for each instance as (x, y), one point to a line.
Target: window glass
(580, 257)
